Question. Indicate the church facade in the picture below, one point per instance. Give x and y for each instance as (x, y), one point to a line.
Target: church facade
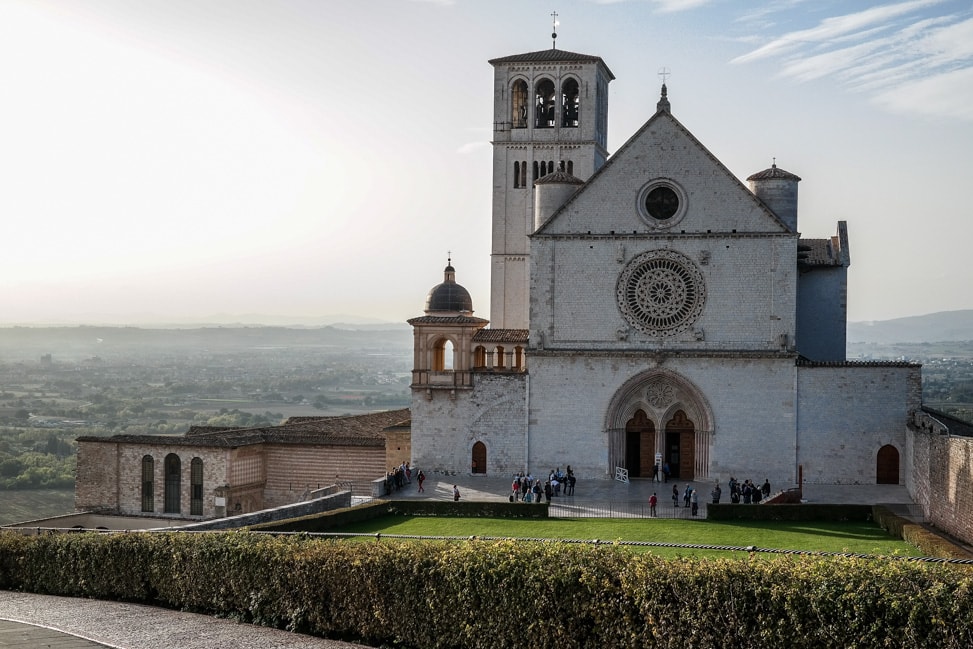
(646, 308)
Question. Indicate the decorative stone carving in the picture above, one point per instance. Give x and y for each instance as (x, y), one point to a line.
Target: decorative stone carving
(661, 293)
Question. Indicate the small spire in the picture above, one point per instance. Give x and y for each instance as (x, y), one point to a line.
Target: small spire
(663, 105)
(449, 274)
(554, 30)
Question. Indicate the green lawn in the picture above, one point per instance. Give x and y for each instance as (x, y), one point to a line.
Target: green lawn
(862, 538)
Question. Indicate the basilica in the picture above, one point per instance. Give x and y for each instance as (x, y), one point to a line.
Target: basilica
(646, 308)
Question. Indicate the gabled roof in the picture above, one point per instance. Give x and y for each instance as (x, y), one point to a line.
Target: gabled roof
(346, 430)
(620, 155)
(551, 55)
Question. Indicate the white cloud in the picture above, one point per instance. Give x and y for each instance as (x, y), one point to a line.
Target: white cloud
(830, 29)
(948, 94)
(887, 51)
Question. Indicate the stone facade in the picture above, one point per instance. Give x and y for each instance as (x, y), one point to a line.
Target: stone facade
(673, 313)
(213, 473)
(110, 477)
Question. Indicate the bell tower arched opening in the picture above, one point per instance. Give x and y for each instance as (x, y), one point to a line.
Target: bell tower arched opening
(518, 104)
(570, 104)
(544, 104)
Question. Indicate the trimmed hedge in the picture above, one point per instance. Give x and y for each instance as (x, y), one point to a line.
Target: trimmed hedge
(506, 594)
(788, 512)
(928, 541)
(334, 520)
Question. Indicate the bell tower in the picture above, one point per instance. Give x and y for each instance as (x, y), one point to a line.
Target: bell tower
(550, 113)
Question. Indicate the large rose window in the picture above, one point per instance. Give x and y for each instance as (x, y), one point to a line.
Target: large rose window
(661, 293)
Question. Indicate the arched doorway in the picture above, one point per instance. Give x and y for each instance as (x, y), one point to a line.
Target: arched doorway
(478, 462)
(680, 450)
(682, 418)
(639, 445)
(887, 465)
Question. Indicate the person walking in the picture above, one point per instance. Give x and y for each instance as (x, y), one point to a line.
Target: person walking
(653, 501)
(420, 479)
(455, 493)
(675, 496)
(694, 498)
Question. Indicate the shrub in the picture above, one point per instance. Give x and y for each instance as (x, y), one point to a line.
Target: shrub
(508, 593)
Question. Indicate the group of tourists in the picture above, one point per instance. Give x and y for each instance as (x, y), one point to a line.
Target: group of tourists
(398, 477)
(690, 500)
(528, 489)
(748, 491)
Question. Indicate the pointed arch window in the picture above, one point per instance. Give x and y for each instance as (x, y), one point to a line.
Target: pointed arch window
(570, 104)
(518, 104)
(148, 484)
(478, 459)
(544, 104)
(196, 487)
(173, 477)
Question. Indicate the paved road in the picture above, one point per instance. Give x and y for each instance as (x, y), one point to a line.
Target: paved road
(30, 621)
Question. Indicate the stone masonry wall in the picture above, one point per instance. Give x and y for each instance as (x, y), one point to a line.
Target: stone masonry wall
(445, 426)
(117, 484)
(295, 469)
(96, 477)
(942, 481)
(846, 413)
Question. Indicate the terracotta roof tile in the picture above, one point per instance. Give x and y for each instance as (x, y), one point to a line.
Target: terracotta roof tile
(501, 336)
(817, 252)
(551, 55)
(349, 430)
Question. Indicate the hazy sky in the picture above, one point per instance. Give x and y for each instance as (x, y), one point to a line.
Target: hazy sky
(169, 160)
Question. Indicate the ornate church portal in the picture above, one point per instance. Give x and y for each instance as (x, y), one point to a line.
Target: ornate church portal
(659, 401)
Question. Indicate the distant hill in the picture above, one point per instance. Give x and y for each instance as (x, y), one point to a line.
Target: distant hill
(64, 343)
(945, 326)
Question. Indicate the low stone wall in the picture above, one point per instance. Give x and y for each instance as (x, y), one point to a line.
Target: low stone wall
(942, 475)
(326, 503)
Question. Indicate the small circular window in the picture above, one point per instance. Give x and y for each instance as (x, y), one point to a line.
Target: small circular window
(661, 203)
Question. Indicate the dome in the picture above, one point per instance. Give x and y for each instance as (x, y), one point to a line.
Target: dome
(449, 296)
(774, 173)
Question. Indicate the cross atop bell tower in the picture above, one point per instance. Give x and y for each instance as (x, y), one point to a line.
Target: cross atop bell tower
(550, 113)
